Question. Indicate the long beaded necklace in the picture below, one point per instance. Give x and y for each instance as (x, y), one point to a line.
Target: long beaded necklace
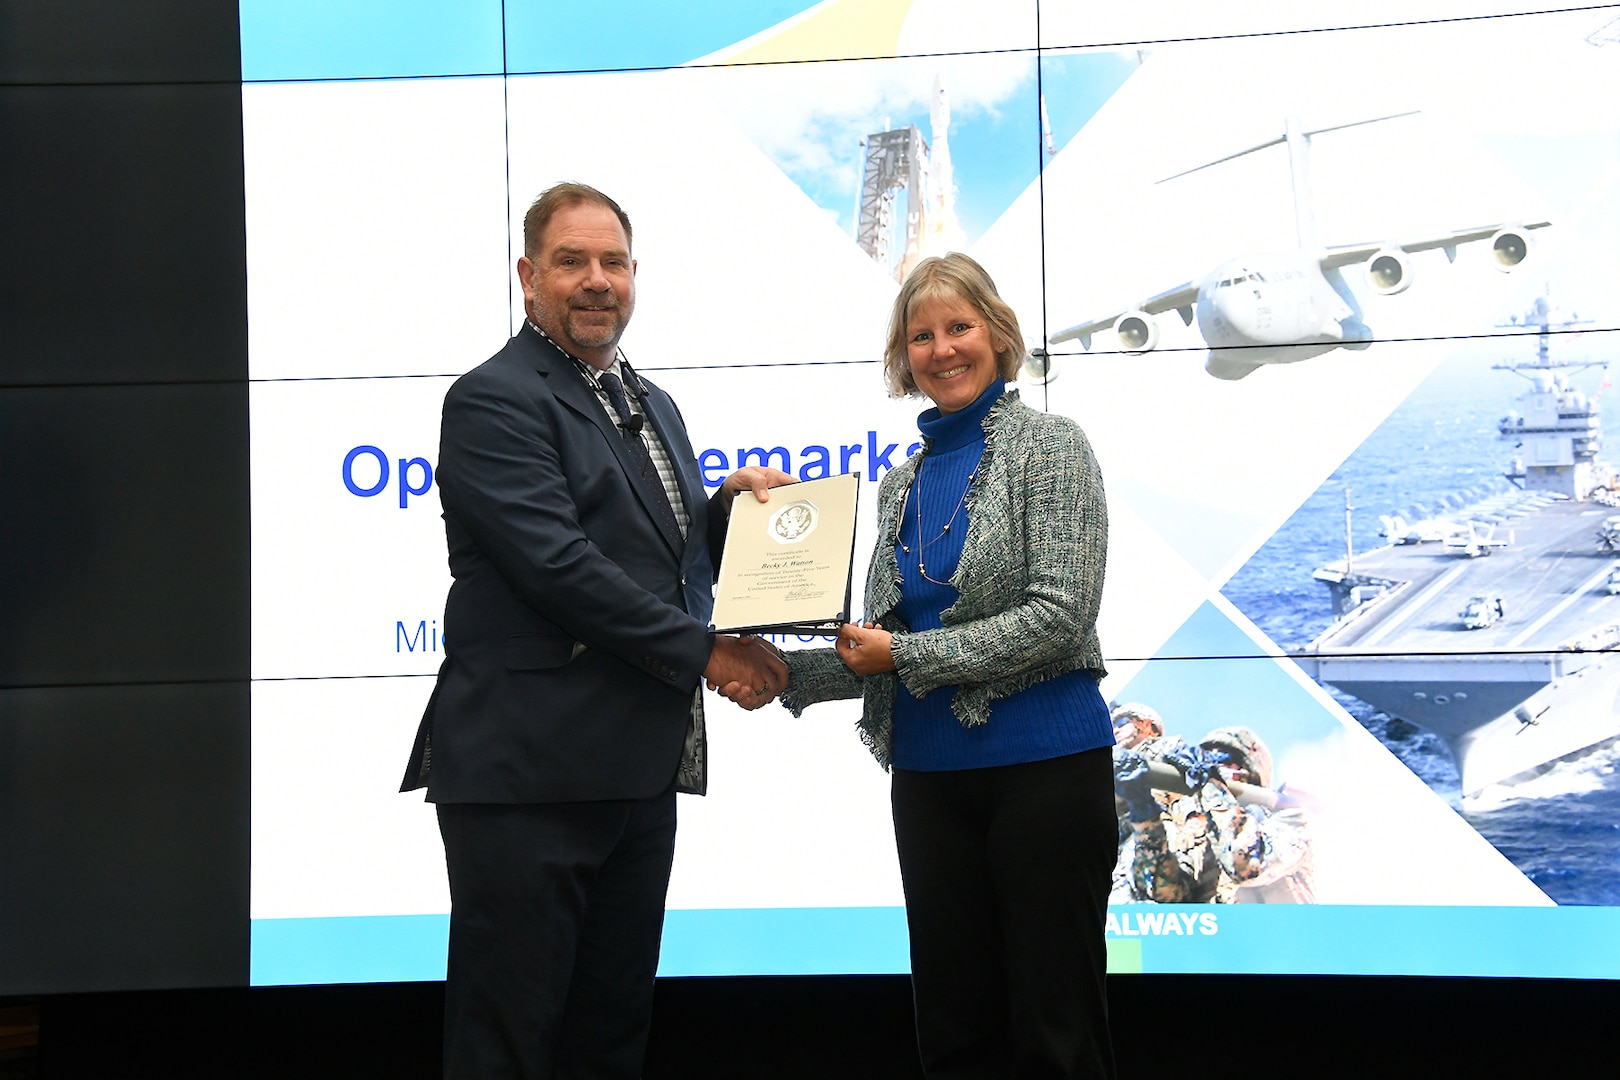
(944, 530)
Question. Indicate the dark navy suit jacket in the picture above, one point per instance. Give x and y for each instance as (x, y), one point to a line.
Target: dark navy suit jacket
(576, 628)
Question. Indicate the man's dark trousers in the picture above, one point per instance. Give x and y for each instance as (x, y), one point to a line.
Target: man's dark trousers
(564, 908)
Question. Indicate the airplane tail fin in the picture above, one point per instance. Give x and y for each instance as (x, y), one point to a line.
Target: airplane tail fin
(1283, 138)
(1298, 139)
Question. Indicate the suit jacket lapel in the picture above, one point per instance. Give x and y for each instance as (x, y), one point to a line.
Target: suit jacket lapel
(568, 385)
(668, 424)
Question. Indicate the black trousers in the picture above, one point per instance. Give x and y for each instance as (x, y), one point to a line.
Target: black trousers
(1006, 873)
(556, 914)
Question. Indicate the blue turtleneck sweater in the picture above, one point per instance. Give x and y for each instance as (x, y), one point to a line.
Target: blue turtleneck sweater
(1053, 718)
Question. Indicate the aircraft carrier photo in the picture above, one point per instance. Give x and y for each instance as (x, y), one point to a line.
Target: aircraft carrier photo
(1495, 625)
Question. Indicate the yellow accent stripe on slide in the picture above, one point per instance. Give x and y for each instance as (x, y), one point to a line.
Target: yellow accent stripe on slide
(835, 30)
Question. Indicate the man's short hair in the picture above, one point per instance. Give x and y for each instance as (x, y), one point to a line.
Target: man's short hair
(561, 197)
(951, 277)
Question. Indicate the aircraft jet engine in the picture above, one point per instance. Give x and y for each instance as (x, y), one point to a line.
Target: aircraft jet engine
(1509, 248)
(1137, 330)
(1388, 271)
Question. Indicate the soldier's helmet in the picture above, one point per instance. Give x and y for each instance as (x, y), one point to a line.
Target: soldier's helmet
(1144, 721)
(1246, 749)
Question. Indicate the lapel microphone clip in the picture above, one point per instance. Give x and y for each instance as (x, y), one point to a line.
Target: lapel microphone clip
(633, 383)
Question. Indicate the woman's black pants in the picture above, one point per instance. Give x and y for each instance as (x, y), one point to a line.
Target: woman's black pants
(1006, 872)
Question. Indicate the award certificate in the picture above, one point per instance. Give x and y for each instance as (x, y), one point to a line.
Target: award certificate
(787, 562)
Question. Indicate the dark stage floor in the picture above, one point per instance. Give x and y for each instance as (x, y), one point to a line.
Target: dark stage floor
(849, 1028)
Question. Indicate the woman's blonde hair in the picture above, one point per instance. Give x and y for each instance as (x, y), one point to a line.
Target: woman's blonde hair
(951, 277)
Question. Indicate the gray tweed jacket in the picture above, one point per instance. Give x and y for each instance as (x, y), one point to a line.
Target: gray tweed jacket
(1029, 581)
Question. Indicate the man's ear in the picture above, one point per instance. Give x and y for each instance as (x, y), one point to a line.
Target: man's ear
(526, 272)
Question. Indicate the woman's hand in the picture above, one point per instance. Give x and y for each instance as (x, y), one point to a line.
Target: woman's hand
(865, 648)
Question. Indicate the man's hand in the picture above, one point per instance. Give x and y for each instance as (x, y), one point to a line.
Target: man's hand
(746, 670)
(759, 478)
(865, 648)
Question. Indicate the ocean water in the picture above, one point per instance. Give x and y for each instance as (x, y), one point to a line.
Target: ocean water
(1440, 450)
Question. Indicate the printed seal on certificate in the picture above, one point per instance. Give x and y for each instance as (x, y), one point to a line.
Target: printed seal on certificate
(794, 522)
(788, 562)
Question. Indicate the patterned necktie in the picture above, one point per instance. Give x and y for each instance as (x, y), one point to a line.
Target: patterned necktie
(631, 430)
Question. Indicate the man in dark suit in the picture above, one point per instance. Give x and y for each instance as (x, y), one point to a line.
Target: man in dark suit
(568, 711)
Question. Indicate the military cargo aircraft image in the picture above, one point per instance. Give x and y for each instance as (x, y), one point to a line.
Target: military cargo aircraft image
(1280, 307)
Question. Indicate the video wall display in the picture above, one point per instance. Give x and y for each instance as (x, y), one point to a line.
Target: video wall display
(1334, 301)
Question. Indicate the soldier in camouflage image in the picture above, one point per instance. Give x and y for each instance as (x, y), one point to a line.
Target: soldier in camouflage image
(1202, 824)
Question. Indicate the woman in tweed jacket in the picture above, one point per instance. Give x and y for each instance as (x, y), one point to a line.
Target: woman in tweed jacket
(979, 670)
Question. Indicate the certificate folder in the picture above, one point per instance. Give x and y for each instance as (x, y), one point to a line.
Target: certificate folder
(788, 562)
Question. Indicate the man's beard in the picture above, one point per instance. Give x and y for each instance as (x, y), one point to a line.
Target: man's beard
(576, 328)
(595, 334)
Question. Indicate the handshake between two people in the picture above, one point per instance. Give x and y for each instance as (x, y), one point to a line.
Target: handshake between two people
(750, 670)
(747, 669)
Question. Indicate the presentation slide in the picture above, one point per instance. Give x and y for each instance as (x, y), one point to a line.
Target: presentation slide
(1334, 300)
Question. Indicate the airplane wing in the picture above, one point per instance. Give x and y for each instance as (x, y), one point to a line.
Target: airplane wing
(1346, 254)
(1181, 298)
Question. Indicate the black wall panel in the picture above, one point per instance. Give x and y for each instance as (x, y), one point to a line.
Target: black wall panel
(123, 837)
(124, 540)
(123, 232)
(124, 732)
(103, 41)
